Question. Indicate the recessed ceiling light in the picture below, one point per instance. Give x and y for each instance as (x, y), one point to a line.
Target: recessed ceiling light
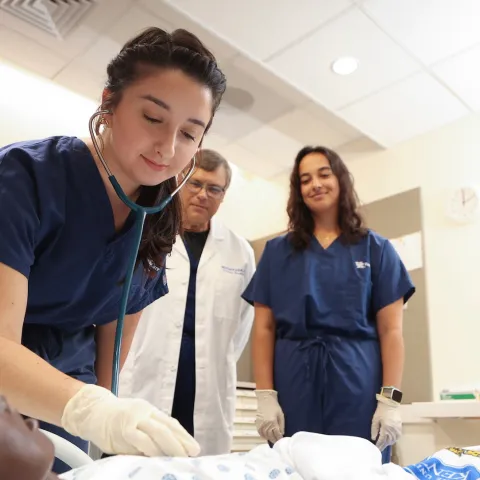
(344, 65)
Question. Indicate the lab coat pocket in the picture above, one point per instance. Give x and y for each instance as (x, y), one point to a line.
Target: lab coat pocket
(228, 289)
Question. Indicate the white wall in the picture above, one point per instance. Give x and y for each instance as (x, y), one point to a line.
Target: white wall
(254, 207)
(33, 107)
(439, 162)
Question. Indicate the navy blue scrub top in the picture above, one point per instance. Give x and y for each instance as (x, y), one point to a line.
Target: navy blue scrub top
(57, 229)
(338, 290)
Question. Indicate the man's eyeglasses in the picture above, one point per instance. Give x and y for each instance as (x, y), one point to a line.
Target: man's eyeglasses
(213, 191)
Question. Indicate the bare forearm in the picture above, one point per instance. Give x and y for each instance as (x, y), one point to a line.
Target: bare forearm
(104, 370)
(263, 346)
(104, 362)
(393, 357)
(105, 339)
(31, 385)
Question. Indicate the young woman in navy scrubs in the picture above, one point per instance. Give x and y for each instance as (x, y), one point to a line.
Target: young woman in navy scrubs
(329, 296)
(65, 238)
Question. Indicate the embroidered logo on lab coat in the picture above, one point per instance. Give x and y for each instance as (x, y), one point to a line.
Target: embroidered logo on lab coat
(362, 264)
(234, 271)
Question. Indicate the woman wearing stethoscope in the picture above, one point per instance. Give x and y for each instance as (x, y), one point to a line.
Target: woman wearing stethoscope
(65, 238)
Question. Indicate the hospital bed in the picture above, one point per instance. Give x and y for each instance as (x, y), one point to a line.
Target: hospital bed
(300, 457)
(68, 452)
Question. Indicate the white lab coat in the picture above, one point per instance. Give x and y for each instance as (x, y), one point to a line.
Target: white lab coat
(223, 321)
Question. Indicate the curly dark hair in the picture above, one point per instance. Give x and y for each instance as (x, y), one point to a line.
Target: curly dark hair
(179, 50)
(301, 224)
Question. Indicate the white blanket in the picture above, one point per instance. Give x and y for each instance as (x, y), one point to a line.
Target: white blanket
(260, 463)
(305, 456)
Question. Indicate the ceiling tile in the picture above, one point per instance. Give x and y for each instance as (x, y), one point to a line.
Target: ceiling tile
(273, 146)
(430, 29)
(173, 15)
(268, 78)
(261, 28)
(75, 78)
(308, 64)
(267, 103)
(235, 118)
(232, 124)
(404, 110)
(90, 67)
(249, 162)
(28, 54)
(308, 130)
(104, 14)
(332, 120)
(133, 22)
(96, 58)
(462, 74)
(358, 149)
(214, 141)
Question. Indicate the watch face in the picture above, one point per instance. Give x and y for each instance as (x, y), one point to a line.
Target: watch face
(397, 396)
(393, 394)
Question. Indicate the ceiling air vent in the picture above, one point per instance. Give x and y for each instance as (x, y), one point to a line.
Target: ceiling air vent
(55, 17)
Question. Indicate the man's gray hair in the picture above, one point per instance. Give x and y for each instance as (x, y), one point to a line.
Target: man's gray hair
(210, 161)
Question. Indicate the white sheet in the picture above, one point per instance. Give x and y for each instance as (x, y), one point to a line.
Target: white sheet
(260, 463)
(305, 456)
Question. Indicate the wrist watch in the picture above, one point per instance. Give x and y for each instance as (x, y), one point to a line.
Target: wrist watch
(392, 393)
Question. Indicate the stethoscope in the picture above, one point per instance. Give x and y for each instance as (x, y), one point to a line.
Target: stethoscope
(140, 214)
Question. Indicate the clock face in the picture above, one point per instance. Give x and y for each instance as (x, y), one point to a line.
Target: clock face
(464, 205)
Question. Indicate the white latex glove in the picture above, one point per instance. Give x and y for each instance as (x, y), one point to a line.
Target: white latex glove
(270, 421)
(125, 426)
(386, 423)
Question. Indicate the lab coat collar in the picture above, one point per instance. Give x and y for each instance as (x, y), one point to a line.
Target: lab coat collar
(217, 229)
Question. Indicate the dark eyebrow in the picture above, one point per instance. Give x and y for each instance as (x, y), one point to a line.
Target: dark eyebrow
(163, 105)
(321, 170)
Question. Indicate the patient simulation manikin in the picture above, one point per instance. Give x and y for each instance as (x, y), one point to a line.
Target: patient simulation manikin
(25, 453)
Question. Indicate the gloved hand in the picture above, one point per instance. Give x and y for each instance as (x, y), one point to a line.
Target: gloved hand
(386, 423)
(125, 425)
(270, 421)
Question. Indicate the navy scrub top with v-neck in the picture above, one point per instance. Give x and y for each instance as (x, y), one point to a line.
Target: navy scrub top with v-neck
(336, 290)
(57, 229)
(327, 361)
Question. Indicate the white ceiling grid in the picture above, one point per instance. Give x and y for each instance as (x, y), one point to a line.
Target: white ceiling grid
(418, 67)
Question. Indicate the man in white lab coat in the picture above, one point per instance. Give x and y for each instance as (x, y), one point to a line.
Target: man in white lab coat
(184, 353)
